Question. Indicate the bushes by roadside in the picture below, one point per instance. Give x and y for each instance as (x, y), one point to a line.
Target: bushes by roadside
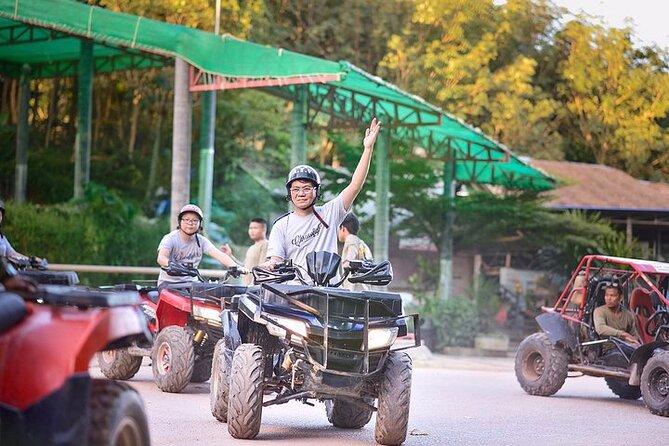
(101, 229)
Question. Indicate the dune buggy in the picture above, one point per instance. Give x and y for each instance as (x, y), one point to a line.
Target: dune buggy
(185, 321)
(569, 342)
(313, 340)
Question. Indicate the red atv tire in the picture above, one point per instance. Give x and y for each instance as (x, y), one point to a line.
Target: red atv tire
(173, 359)
(118, 364)
(116, 415)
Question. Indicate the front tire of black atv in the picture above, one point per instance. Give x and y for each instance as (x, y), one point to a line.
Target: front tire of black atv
(118, 364)
(655, 384)
(172, 359)
(347, 415)
(246, 392)
(541, 367)
(218, 396)
(201, 369)
(392, 417)
(117, 416)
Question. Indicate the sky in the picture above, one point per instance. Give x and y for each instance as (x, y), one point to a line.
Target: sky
(650, 17)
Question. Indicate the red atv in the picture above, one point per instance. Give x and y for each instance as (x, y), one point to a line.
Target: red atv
(186, 323)
(47, 396)
(569, 342)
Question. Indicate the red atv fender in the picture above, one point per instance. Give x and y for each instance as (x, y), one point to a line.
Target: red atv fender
(174, 309)
(51, 344)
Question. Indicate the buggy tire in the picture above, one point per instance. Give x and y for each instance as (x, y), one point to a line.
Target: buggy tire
(347, 415)
(118, 364)
(655, 384)
(620, 387)
(220, 384)
(117, 416)
(541, 367)
(246, 392)
(201, 369)
(173, 359)
(392, 417)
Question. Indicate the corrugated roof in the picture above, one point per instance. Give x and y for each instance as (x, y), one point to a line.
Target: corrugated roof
(599, 187)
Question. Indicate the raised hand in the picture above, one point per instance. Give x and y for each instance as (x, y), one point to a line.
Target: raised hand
(371, 133)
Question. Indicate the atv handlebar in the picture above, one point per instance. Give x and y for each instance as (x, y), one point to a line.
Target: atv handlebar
(29, 263)
(188, 270)
(282, 272)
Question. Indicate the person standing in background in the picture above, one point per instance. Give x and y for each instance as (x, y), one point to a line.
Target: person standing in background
(257, 253)
(354, 248)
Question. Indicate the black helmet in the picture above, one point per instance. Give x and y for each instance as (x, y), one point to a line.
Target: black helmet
(303, 172)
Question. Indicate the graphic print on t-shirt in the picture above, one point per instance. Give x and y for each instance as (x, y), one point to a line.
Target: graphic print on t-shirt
(301, 239)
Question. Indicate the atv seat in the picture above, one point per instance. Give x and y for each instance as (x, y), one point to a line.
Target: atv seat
(12, 310)
(642, 308)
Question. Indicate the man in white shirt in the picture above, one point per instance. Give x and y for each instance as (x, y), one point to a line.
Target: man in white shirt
(310, 228)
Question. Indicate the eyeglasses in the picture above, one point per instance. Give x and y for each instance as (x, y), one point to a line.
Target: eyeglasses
(189, 221)
(304, 190)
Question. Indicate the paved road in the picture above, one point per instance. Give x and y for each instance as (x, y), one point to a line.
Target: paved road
(455, 401)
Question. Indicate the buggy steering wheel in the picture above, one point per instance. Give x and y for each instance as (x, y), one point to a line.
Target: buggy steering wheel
(664, 314)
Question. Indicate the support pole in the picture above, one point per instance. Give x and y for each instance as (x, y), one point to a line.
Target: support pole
(207, 151)
(446, 251)
(381, 220)
(82, 151)
(181, 140)
(22, 135)
(298, 132)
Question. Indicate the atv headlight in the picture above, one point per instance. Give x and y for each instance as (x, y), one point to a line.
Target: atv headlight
(296, 326)
(211, 314)
(381, 337)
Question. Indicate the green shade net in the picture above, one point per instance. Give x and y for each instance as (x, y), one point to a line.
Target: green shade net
(46, 35)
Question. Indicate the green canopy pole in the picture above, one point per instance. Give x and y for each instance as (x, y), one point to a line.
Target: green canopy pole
(298, 133)
(181, 140)
(207, 138)
(21, 179)
(381, 220)
(82, 150)
(446, 251)
(208, 142)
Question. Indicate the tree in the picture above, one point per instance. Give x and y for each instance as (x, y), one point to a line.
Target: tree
(614, 99)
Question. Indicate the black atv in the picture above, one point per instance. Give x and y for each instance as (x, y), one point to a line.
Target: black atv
(313, 340)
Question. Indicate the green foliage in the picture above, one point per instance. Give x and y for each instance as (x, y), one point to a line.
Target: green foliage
(99, 230)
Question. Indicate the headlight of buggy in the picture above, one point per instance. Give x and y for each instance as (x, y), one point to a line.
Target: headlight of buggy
(211, 314)
(381, 337)
(296, 326)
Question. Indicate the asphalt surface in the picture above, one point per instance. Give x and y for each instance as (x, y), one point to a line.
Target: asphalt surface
(455, 400)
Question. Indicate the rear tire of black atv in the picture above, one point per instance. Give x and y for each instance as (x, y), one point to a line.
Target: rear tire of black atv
(118, 364)
(117, 416)
(541, 367)
(347, 415)
(172, 359)
(201, 370)
(246, 392)
(655, 384)
(392, 417)
(220, 386)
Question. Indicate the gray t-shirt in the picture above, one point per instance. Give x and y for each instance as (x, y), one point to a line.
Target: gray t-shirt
(6, 249)
(293, 236)
(183, 252)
